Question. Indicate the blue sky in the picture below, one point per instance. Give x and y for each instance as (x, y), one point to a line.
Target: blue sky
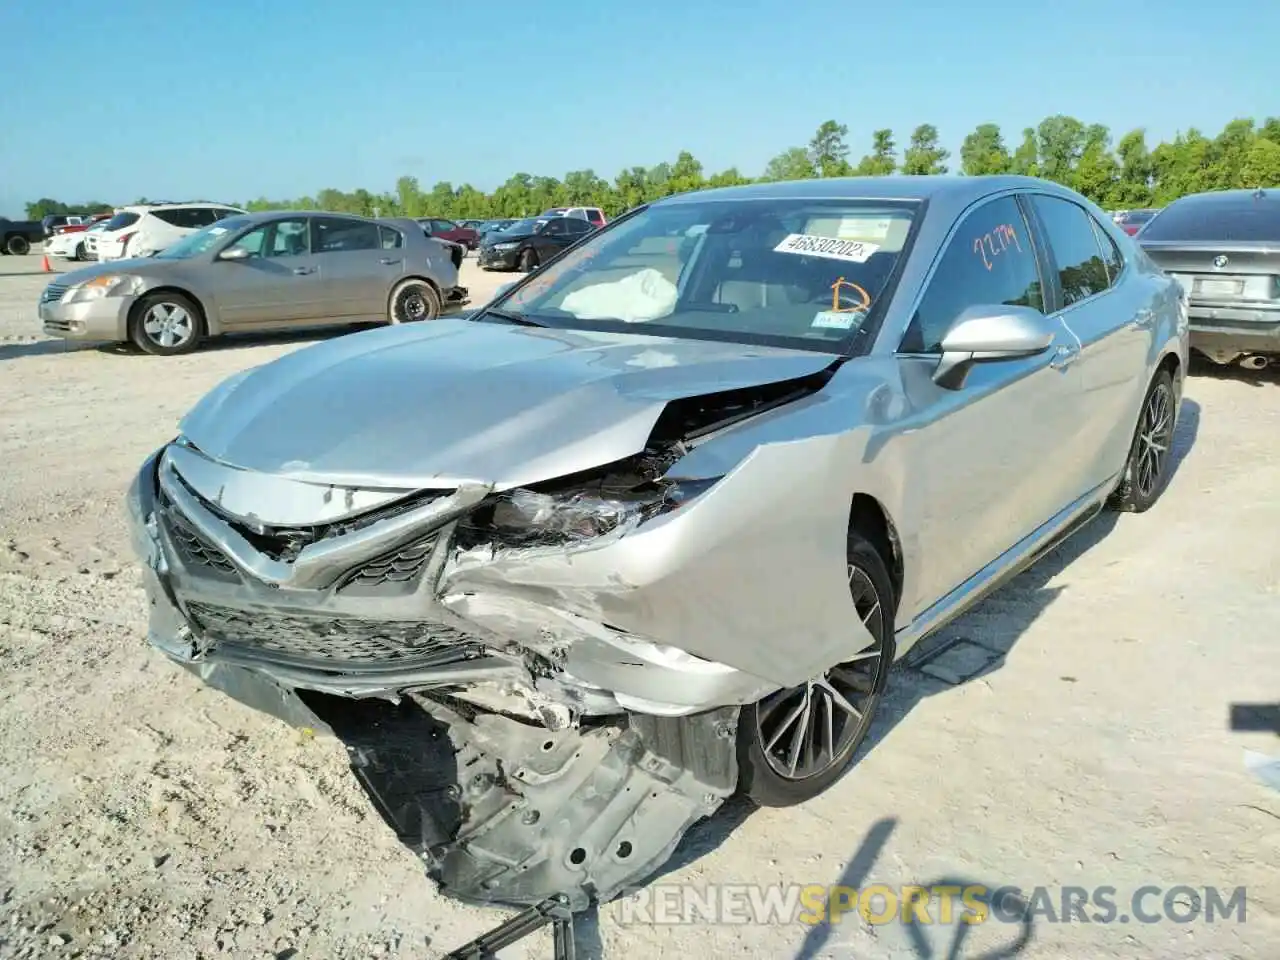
(236, 99)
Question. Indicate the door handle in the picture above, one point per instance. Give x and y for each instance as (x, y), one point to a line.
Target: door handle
(1064, 356)
(387, 261)
(303, 271)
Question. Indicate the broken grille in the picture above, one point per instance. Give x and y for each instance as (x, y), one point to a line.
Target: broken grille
(400, 567)
(332, 639)
(195, 549)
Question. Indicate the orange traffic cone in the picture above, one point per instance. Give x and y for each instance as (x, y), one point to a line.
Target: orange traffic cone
(44, 264)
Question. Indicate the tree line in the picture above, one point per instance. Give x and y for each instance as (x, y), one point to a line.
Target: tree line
(1082, 156)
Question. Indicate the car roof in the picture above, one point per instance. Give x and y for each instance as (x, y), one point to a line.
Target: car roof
(1234, 196)
(872, 188)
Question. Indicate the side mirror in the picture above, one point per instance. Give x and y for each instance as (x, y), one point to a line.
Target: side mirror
(983, 334)
(234, 253)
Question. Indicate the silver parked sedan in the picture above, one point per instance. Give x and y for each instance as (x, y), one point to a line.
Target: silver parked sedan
(652, 526)
(258, 272)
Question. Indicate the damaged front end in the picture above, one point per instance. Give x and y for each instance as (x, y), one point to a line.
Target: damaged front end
(535, 685)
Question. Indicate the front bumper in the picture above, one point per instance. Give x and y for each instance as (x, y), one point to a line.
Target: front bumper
(499, 810)
(1226, 332)
(106, 318)
(490, 259)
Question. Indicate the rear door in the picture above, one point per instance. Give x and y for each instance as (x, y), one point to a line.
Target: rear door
(278, 283)
(356, 274)
(1112, 312)
(989, 467)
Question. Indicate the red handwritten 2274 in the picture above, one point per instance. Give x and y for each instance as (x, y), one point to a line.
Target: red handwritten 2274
(995, 242)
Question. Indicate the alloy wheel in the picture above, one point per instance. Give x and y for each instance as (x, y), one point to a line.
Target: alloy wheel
(168, 325)
(805, 730)
(1155, 434)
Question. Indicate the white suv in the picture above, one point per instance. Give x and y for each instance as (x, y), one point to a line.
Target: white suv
(142, 229)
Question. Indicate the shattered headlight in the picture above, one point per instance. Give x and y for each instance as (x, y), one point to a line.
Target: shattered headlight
(530, 518)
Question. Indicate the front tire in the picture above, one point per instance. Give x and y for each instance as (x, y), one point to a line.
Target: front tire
(528, 261)
(413, 301)
(1146, 472)
(79, 254)
(166, 324)
(17, 245)
(795, 743)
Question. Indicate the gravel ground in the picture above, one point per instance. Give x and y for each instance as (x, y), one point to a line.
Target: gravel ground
(143, 816)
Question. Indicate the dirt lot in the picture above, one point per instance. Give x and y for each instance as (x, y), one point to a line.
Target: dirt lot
(142, 816)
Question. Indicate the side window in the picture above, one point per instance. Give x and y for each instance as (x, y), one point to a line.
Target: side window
(1069, 228)
(1110, 252)
(334, 235)
(556, 227)
(252, 241)
(175, 217)
(577, 227)
(289, 239)
(391, 239)
(443, 226)
(989, 261)
(201, 216)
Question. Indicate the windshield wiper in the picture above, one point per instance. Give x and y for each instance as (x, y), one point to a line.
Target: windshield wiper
(512, 317)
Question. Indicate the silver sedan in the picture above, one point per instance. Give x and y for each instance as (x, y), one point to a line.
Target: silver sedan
(652, 527)
(258, 272)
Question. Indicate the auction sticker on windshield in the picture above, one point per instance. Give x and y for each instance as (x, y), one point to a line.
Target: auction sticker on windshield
(804, 244)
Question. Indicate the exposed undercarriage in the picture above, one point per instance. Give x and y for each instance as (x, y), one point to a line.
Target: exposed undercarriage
(459, 643)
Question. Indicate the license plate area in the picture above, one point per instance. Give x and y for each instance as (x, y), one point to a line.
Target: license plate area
(1219, 288)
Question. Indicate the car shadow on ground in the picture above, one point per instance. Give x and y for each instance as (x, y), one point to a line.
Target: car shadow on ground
(972, 647)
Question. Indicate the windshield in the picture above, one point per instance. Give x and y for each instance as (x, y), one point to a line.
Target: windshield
(524, 226)
(792, 272)
(202, 241)
(1224, 218)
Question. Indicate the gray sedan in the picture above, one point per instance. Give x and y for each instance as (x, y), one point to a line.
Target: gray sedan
(653, 525)
(258, 272)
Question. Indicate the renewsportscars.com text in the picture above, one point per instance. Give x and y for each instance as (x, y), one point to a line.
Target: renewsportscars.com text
(939, 904)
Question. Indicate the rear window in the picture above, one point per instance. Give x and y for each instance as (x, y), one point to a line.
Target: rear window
(1139, 216)
(1246, 218)
(121, 220)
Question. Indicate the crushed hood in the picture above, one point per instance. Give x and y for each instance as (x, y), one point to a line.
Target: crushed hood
(456, 401)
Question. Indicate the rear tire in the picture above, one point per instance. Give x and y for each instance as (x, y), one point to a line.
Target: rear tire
(79, 254)
(1146, 472)
(765, 739)
(413, 301)
(166, 324)
(17, 245)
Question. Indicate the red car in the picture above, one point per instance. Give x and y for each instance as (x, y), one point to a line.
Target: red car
(1131, 221)
(448, 230)
(84, 224)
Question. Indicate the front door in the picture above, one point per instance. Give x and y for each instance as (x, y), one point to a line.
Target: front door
(986, 459)
(279, 282)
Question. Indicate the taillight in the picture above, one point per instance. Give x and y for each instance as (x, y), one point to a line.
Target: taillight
(124, 241)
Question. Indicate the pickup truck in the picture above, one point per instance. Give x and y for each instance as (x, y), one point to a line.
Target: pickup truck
(17, 236)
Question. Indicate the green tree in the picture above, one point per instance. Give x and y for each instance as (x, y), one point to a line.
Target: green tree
(1133, 183)
(829, 151)
(1261, 167)
(924, 156)
(881, 161)
(983, 152)
(1026, 159)
(1096, 172)
(1061, 141)
(793, 164)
